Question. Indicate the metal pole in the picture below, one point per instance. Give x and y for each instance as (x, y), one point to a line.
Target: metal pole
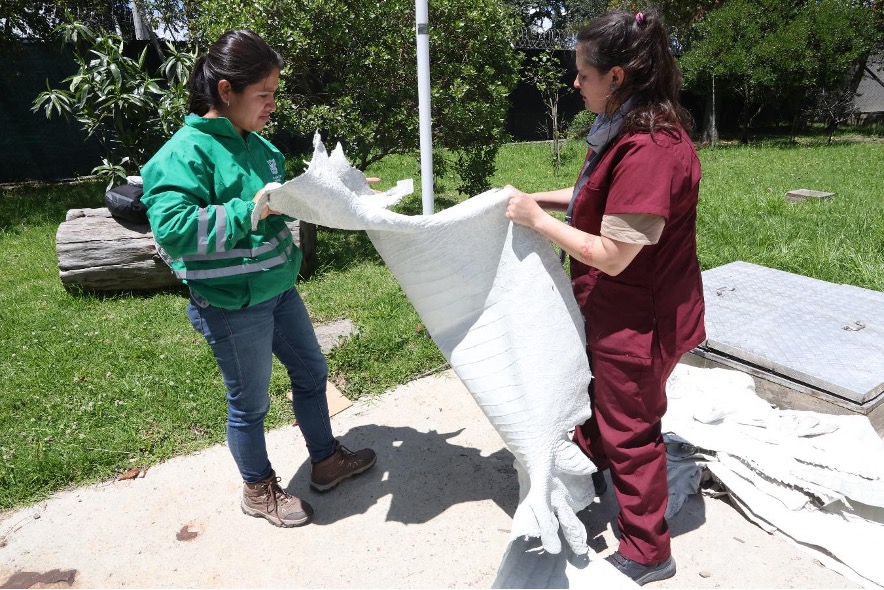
(423, 98)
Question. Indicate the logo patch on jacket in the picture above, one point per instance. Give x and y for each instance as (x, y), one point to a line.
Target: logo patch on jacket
(277, 177)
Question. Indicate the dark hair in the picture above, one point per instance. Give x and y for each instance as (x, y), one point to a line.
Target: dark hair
(240, 57)
(639, 44)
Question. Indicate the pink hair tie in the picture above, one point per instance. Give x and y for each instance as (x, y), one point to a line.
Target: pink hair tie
(639, 18)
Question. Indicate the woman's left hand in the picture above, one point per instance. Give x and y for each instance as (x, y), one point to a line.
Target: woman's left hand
(266, 210)
(523, 209)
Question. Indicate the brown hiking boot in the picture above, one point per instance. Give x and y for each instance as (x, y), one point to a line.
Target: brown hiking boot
(266, 499)
(343, 463)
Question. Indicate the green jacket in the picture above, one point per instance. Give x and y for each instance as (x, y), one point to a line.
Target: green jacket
(198, 189)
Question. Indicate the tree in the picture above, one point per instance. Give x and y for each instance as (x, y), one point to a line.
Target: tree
(833, 107)
(544, 72)
(877, 8)
(556, 15)
(22, 19)
(171, 19)
(769, 52)
(844, 34)
(350, 71)
(116, 99)
(37, 21)
(680, 16)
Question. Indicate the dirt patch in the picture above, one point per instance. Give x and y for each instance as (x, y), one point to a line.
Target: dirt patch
(185, 534)
(52, 579)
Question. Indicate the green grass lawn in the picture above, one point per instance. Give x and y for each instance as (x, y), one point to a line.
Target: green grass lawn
(92, 385)
(743, 215)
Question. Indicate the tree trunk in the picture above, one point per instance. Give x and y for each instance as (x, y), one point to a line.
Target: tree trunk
(142, 31)
(710, 126)
(796, 119)
(831, 127)
(557, 140)
(306, 239)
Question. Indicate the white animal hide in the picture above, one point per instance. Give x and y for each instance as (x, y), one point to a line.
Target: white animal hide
(816, 478)
(496, 301)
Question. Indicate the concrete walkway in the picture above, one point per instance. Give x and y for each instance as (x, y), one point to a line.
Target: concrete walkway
(433, 513)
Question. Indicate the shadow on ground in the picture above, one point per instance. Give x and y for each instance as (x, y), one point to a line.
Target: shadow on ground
(601, 516)
(425, 473)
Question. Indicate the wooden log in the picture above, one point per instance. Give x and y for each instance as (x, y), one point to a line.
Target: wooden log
(98, 252)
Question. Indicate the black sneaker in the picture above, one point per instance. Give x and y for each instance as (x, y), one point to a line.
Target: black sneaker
(599, 483)
(639, 573)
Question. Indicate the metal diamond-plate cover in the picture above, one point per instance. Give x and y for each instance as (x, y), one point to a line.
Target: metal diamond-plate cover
(826, 335)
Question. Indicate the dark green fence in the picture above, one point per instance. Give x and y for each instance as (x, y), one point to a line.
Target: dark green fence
(32, 147)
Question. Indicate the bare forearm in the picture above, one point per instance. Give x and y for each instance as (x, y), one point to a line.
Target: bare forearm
(605, 254)
(556, 200)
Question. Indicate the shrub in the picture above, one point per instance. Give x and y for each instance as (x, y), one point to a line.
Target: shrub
(115, 99)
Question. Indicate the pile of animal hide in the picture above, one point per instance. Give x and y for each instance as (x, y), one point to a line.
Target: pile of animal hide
(816, 479)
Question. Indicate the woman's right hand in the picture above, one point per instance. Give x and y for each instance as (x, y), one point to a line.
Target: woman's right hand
(522, 208)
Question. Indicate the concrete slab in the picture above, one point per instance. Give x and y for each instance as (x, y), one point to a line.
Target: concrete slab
(802, 194)
(819, 338)
(434, 513)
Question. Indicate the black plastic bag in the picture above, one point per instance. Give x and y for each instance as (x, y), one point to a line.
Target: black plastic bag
(124, 201)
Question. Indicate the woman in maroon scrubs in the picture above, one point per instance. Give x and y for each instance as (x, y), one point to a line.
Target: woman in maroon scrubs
(630, 231)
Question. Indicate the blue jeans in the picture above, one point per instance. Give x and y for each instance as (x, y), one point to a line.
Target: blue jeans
(243, 341)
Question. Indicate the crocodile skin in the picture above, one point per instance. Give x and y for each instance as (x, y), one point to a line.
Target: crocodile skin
(498, 304)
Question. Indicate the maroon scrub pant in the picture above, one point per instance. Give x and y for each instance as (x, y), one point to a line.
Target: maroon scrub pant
(628, 399)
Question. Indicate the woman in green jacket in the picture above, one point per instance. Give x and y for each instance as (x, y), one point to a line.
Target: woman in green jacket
(200, 190)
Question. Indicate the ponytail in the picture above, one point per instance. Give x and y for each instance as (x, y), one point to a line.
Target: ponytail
(240, 57)
(638, 43)
(200, 100)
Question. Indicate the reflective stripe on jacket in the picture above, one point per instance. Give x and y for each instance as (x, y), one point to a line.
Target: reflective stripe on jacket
(198, 189)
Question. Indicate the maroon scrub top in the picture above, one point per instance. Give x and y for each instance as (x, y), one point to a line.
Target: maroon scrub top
(661, 290)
